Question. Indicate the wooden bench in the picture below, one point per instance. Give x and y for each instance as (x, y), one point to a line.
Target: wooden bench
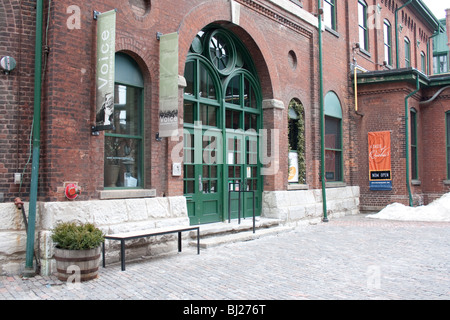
(147, 233)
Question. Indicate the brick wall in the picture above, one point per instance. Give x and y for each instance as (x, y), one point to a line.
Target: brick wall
(412, 27)
(447, 11)
(433, 161)
(383, 109)
(69, 151)
(16, 94)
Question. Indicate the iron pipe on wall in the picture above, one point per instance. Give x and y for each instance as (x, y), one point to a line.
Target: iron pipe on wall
(29, 270)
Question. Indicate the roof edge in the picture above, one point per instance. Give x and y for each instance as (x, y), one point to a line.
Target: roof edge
(402, 75)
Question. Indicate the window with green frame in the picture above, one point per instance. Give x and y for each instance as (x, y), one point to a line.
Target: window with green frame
(387, 42)
(440, 63)
(124, 144)
(414, 159)
(329, 13)
(423, 62)
(296, 137)
(333, 138)
(362, 22)
(222, 118)
(407, 53)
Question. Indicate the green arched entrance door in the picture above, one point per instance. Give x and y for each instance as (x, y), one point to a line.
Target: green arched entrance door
(222, 118)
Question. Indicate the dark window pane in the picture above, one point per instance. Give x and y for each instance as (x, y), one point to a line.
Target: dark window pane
(448, 129)
(188, 112)
(127, 110)
(219, 51)
(250, 121)
(332, 133)
(232, 92)
(122, 162)
(189, 171)
(247, 95)
(414, 174)
(293, 134)
(333, 152)
(207, 89)
(208, 115)
(333, 165)
(189, 187)
(233, 119)
(448, 161)
(189, 76)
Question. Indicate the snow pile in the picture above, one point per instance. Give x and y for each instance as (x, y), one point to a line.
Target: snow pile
(438, 210)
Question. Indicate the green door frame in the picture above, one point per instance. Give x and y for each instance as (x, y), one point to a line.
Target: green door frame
(250, 117)
(244, 131)
(204, 206)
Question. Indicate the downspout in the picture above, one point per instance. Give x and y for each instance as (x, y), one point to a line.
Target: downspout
(434, 96)
(396, 30)
(322, 118)
(408, 185)
(355, 84)
(29, 271)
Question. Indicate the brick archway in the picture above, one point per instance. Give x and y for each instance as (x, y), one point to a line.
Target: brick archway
(248, 31)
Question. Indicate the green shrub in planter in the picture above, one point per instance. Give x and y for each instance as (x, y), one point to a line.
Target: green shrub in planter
(77, 250)
(73, 236)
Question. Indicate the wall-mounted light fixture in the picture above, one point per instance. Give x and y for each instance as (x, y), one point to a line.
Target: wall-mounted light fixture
(7, 64)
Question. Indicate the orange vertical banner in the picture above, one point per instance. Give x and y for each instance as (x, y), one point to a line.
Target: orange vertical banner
(380, 176)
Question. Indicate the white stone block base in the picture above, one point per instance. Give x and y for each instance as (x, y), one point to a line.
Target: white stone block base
(294, 207)
(111, 216)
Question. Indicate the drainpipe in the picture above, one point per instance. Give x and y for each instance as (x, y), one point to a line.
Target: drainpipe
(434, 96)
(408, 185)
(396, 30)
(355, 84)
(322, 118)
(29, 271)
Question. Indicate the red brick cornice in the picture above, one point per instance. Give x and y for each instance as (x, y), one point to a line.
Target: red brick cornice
(279, 18)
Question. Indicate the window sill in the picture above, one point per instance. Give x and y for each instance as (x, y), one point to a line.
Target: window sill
(297, 186)
(366, 53)
(416, 182)
(333, 32)
(447, 182)
(127, 193)
(337, 184)
(298, 2)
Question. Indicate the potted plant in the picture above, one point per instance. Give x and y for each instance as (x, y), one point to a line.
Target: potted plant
(77, 251)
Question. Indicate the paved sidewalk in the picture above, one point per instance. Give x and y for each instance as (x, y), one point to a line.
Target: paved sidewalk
(347, 258)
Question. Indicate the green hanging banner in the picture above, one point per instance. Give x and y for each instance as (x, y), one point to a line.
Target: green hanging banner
(106, 49)
(168, 85)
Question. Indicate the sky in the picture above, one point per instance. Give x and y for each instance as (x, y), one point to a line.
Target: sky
(438, 7)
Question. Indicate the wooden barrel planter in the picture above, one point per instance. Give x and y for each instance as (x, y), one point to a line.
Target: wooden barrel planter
(69, 263)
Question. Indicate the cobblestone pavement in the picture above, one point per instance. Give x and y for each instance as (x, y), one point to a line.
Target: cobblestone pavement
(347, 258)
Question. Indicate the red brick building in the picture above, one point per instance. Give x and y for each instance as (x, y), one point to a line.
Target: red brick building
(239, 67)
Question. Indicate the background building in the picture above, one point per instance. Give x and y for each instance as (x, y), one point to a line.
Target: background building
(441, 52)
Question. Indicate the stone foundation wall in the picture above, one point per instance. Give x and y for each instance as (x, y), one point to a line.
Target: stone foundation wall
(297, 206)
(13, 239)
(111, 216)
